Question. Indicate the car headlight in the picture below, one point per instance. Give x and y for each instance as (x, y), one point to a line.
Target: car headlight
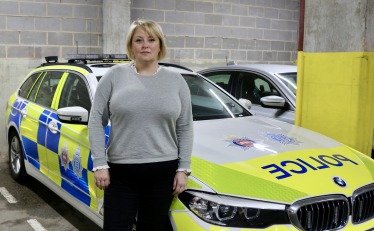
(234, 212)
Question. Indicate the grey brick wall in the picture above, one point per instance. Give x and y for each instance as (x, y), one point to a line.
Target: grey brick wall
(39, 28)
(203, 33)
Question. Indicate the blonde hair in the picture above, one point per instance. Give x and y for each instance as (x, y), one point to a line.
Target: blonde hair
(153, 29)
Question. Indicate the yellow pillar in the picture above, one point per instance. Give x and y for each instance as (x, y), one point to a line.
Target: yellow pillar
(335, 96)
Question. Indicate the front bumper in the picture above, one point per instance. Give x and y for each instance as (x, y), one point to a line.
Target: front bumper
(188, 221)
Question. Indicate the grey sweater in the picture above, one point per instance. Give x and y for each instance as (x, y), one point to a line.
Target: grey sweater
(151, 118)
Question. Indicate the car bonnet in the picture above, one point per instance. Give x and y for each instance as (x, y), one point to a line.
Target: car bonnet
(259, 157)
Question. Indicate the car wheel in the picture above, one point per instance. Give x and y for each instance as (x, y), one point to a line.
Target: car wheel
(16, 161)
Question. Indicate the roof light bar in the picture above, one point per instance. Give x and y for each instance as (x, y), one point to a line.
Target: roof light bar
(93, 57)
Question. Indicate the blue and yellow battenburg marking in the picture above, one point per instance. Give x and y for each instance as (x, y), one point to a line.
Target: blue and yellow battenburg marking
(280, 138)
(71, 171)
(301, 166)
(245, 143)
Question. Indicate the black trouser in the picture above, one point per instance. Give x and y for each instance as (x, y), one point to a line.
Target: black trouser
(143, 188)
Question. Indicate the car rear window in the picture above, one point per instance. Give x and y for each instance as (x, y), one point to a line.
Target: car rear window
(26, 87)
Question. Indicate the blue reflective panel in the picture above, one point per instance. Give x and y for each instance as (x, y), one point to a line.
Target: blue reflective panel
(70, 176)
(42, 127)
(90, 163)
(31, 149)
(75, 192)
(53, 139)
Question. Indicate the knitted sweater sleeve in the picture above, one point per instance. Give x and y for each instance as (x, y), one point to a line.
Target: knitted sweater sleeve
(99, 118)
(184, 127)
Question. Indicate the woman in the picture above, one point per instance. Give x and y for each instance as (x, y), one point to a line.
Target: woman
(150, 142)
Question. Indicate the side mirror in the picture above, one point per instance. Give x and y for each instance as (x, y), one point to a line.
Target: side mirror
(273, 101)
(246, 103)
(73, 115)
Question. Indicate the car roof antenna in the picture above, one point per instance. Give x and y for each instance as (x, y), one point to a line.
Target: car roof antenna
(77, 46)
(226, 60)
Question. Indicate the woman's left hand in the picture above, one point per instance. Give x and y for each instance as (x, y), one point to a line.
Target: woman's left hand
(180, 182)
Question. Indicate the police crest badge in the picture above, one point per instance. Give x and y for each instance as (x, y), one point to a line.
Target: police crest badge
(64, 156)
(245, 143)
(77, 162)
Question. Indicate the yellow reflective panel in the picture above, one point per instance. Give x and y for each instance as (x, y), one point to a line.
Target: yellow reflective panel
(11, 101)
(54, 167)
(91, 188)
(176, 204)
(30, 123)
(192, 184)
(77, 132)
(81, 70)
(100, 193)
(185, 223)
(57, 67)
(229, 178)
(43, 159)
(308, 169)
(57, 95)
(216, 228)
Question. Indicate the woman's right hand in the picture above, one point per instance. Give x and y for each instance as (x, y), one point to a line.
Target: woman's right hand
(102, 178)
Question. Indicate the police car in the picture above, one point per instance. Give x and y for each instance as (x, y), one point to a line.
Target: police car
(249, 172)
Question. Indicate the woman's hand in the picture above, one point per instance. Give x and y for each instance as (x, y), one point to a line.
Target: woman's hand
(180, 182)
(102, 178)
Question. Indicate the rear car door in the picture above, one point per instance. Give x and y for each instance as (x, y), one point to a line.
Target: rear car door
(35, 110)
(69, 156)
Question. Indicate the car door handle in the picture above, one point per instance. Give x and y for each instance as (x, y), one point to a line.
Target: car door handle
(53, 127)
(24, 112)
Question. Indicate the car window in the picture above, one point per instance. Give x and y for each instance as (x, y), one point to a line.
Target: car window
(34, 90)
(75, 93)
(26, 86)
(47, 89)
(221, 78)
(289, 79)
(208, 102)
(253, 87)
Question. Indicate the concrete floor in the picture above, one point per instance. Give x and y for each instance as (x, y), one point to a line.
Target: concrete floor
(35, 201)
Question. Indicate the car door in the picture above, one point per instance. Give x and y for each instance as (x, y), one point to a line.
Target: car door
(69, 156)
(253, 86)
(224, 79)
(33, 125)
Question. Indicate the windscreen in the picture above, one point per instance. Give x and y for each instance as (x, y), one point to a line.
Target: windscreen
(208, 102)
(289, 79)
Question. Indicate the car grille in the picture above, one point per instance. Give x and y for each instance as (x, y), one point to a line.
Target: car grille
(320, 213)
(363, 204)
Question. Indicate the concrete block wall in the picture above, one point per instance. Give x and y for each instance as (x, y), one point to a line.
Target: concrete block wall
(33, 29)
(203, 33)
(39, 28)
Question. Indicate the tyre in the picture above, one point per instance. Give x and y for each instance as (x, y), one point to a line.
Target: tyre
(16, 161)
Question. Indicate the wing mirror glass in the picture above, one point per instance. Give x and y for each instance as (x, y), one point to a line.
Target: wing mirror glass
(246, 103)
(273, 101)
(73, 115)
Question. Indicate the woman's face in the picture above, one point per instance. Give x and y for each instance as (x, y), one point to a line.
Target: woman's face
(144, 46)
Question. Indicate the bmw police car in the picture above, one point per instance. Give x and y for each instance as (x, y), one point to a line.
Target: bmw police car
(249, 172)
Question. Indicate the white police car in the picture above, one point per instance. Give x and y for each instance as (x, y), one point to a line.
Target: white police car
(249, 172)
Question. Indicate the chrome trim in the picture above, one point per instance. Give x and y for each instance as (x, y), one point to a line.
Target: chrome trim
(358, 192)
(294, 208)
